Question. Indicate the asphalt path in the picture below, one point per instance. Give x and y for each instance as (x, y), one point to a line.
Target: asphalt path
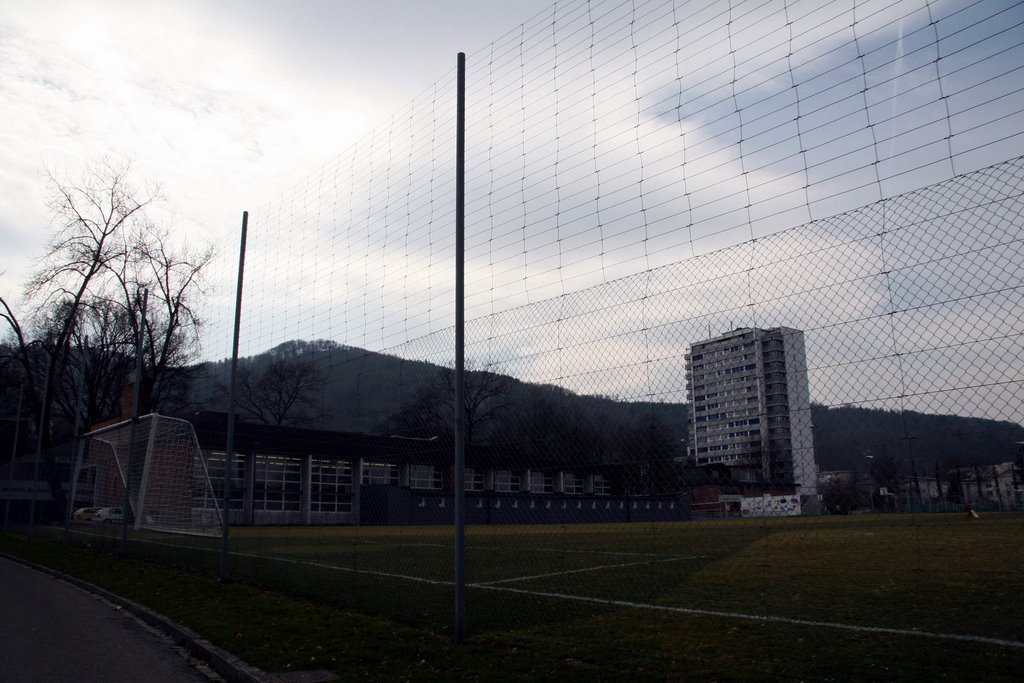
(53, 631)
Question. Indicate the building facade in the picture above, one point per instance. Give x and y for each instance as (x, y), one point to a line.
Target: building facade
(750, 411)
(290, 475)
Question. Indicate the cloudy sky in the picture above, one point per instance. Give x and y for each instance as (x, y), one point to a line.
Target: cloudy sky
(222, 102)
(607, 142)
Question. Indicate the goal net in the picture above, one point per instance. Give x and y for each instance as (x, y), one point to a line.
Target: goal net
(158, 463)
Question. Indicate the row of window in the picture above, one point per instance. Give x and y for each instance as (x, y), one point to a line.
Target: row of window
(714, 365)
(725, 436)
(750, 416)
(507, 481)
(741, 446)
(277, 484)
(726, 404)
(742, 382)
(715, 353)
(746, 389)
(728, 372)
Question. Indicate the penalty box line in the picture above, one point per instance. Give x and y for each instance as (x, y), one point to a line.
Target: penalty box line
(883, 630)
(484, 584)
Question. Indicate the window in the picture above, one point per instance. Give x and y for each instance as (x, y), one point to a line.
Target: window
(474, 480)
(505, 481)
(380, 473)
(277, 483)
(571, 484)
(330, 486)
(602, 487)
(541, 482)
(424, 477)
(215, 469)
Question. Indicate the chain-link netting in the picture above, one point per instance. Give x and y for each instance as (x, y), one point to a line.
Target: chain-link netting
(743, 290)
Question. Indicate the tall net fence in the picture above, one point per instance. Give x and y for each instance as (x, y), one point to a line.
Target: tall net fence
(743, 291)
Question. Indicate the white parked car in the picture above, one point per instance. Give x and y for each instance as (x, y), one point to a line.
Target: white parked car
(108, 515)
(85, 514)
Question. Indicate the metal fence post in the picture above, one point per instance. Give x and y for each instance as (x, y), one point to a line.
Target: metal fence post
(460, 324)
(78, 443)
(43, 410)
(229, 449)
(14, 458)
(135, 422)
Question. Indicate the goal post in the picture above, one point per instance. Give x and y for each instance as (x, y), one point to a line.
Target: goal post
(169, 487)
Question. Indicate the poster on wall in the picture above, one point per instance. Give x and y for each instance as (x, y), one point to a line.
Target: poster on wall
(771, 506)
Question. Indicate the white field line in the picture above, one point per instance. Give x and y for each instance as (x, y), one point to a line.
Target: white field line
(984, 640)
(566, 551)
(484, 584)
(518, 549)
(305, 563)
(349, 570)
(882, 630)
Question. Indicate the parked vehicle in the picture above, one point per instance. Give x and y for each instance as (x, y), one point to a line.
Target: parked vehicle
(109, 515)
(85, 514)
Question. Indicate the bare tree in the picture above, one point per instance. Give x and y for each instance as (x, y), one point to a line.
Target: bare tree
(430, 411)
(551, 430)
(283, 393)
(101, 357)
(646, 452)
(104, 250)
(174, 278)
(92, 219)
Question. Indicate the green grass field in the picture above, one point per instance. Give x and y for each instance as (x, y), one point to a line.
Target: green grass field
(916, 588)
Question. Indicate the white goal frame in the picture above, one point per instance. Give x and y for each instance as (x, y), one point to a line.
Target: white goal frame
(169, 489)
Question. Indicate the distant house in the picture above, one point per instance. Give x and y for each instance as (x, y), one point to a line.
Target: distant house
(995, 486)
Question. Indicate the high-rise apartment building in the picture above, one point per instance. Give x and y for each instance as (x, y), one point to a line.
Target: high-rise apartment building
(750, 409)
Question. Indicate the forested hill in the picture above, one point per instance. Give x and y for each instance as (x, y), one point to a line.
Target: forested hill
(352, 389)
(845, 435)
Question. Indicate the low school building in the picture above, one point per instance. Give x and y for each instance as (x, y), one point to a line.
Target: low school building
(287, 475)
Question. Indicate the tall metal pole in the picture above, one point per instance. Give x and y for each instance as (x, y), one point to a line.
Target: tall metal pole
(43, 410)
(229, 450)
(77, 448)
(14, 458)
(460, 359)
(135, 422)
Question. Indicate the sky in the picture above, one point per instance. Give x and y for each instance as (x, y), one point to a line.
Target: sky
(608, 142)
(222, 103)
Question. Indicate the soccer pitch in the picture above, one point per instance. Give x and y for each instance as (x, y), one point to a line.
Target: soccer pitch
(945, 577)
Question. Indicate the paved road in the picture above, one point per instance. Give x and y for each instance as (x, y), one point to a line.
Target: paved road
(52, 631)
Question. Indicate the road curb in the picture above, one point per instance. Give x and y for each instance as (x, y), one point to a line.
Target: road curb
(225, 664)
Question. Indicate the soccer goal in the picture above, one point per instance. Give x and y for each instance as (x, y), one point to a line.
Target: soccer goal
(158, 463)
